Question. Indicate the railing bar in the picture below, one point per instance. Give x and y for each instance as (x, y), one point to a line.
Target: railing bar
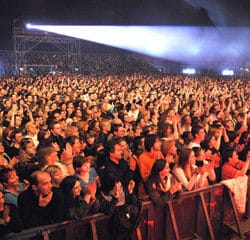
(173, 220)
(207, 216)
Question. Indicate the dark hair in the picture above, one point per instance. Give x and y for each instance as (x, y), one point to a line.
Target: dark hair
(162, 132)
(229, 154)
(150, 141)
(66, 186)
(115, 127)
(3, 174)
(78, 161)
(14, 133)
(197, 151)
(196, 129)
(71, 140)
(24, 142)
(52, 124)
(158, 166)
(185, 136)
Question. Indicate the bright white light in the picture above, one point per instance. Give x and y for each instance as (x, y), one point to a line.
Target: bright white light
(28, 25)
(188, 71)
(227, 72)
(187, 44)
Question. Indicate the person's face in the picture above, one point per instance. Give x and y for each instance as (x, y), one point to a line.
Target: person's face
(18, 121)
(96, 126)
(18, 137)
(165, 171)
(142, 123)
(229, 125)
(124, 145)
(77, 146)
(202, 134)
(117, 154)
(7, 104)
(120, 132)
(32, 129)
(85, 167)
(173, 149)
(57, 177)
(107, 126)
(76, 190)
(234, 158)
(75, 132)
(191, 158)
(157, 145)
(44, 186)
(29, 99)
(53, 106)
(171, 113)
(56, 130)
(78, 113)
(90, 140)
(30, 148)
(13, 179)
(212, 142)
(52, 158)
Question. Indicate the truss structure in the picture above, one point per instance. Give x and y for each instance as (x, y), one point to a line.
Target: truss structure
(26, 42)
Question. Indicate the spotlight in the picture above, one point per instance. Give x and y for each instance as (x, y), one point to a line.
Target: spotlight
(178, 43)
(189, 71)
(28, 25)
(227, 72)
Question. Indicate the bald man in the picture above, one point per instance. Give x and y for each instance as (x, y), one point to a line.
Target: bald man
(39, 205)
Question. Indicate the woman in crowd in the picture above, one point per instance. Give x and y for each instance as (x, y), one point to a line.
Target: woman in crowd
(169, 150)
(11, 184)
(84, 172)
(161, 185)
(187, 172)
(75, 205)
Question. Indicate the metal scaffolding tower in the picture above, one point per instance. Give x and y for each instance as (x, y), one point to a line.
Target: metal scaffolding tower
(27, 41)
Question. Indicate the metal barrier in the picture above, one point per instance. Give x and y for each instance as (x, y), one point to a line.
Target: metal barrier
(193, 215)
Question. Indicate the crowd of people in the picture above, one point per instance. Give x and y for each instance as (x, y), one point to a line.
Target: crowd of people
(73, 145)
(87, 63)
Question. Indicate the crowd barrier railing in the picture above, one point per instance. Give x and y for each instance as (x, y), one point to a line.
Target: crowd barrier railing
(196, 214)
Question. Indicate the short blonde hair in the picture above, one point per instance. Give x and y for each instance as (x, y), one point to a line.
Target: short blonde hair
(52, 169)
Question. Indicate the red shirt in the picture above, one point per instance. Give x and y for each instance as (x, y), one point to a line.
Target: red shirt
(230, 170)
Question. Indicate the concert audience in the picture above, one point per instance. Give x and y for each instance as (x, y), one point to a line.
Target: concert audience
(152, 117)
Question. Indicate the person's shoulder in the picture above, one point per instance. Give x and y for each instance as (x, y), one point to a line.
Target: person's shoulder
(57, 192)
(26, 195)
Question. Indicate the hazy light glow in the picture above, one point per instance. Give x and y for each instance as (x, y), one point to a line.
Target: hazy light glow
(187, 44)
(189, 71)
(227, 72)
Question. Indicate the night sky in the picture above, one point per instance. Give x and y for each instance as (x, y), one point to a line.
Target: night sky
(125, 12)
